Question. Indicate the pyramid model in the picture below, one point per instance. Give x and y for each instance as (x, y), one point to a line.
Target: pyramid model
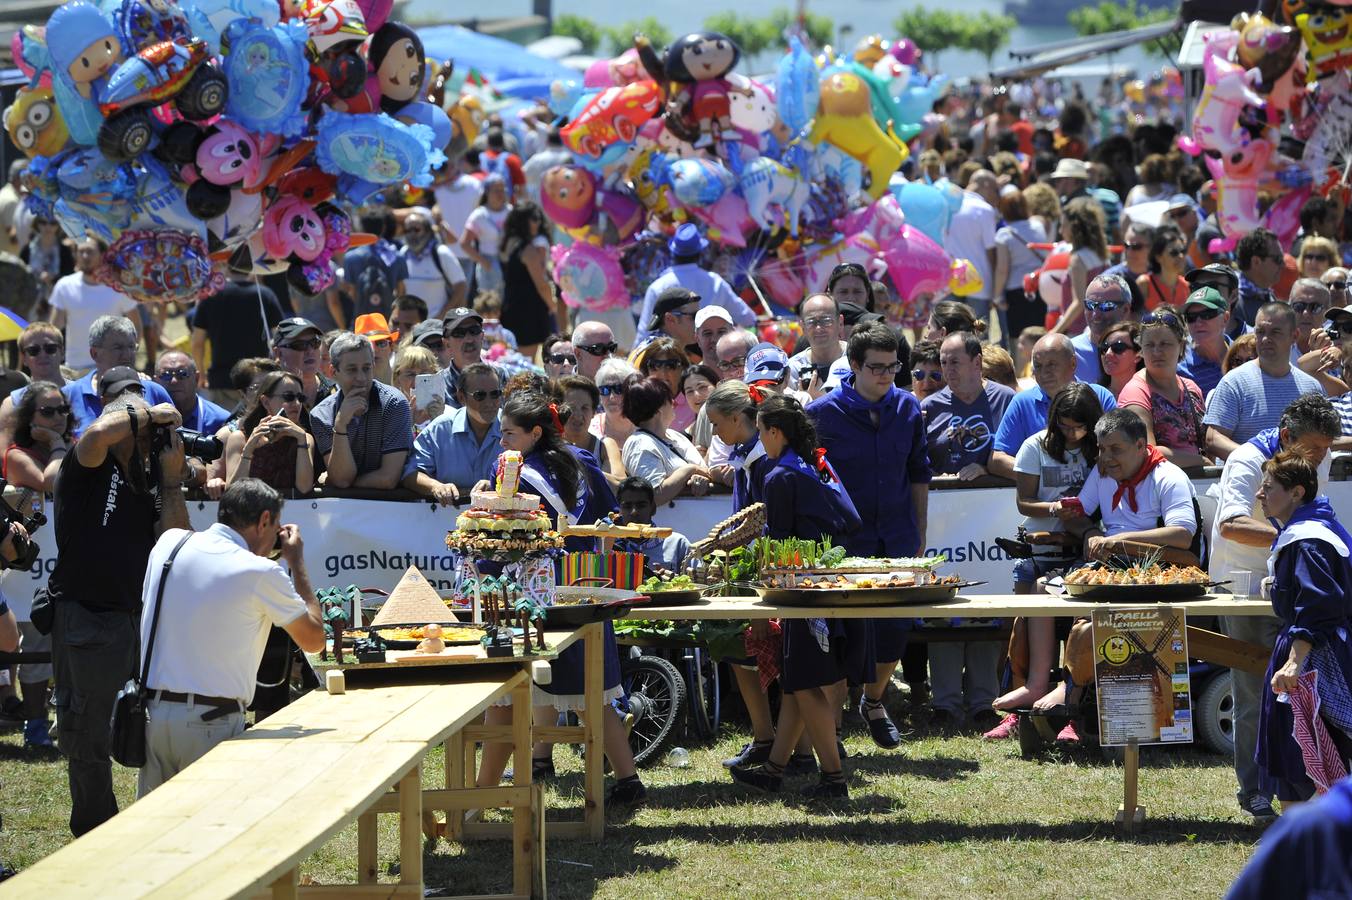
(413, 602)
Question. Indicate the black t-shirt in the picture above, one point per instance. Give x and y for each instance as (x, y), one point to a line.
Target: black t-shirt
(104, 534)
(231, 321)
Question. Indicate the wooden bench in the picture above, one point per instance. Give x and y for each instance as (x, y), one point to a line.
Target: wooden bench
(242, 819)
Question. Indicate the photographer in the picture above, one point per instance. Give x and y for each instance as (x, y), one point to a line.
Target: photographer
(114, 495)
(222, 591)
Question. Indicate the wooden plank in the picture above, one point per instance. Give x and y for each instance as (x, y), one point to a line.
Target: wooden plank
(460, 798)
(368, 847)
(523, 843)
(1228, 651)
(973, 606)
(549, 734)
(594, 798)
(410, 828)
(354, 891)
(284, 888)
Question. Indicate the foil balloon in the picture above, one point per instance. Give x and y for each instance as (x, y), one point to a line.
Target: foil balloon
(1264, 45)
(1228, 88)
(95, 194)
(209, 19)
(782, 331)
(797, 87)
(774, 194)
(623, 69)
(590, 277)
(374, 148)
(34, 122)
(268, 77)
(699, 182)
(925, 208)
(753, 106)
(568, 196)
(727, 220)
(845, 120)
(1328, 41)
(160, 265)
(916, 101)
(81, 49)
(1237, 176)
(916, 264)
(612, 116)
(963, 279)
(420, 112)
(904, 51)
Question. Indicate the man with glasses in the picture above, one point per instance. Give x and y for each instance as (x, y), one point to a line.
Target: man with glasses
(711, 323)
(112, 343)
(559, 356)
(462, 330)
(731, 353)
(873, 433)
(296, 345)
(77, 300)
(1135, 260)
(594, 343)
(823, 326)
(687, 246)
(238, 321)
(1107, 303)
(459, 449)
(1226, 282)
(365, 431)
(177, 374)
(1313, 352)
(1335, 279)
(1260, 267)
(432, 271)
(1053, 369)
(674, 316)
(1207, 314)
(1250, 398)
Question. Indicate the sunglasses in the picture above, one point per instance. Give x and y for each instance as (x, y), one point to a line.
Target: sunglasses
(37, 349)
(1176, 252)
(1336, 285)
(598, 349)
(682, 314)
(1203, 315)
(307, 344)
(62, 410)
(609, 390)
(880, 369)
(169, 376)
(1102, 306)
(560, 359)
(1117, 347)
(1136, 246)
(288, 396)
(1160, 318)
(1307, 308)
(671, 365)
(922, 375)
(1316, 257)
(480, 396)
(466, 331)
(436, 345)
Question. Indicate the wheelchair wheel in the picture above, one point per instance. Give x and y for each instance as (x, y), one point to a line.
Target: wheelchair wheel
(1215, 714)
(657, 702)
(704, 693)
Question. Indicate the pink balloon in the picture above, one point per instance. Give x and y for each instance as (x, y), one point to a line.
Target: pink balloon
(917, 264)
(904, 51)
(589, 277)
(1283, 217)
(858, 248)
(728, 220)
(1237, 177)
(623, 69)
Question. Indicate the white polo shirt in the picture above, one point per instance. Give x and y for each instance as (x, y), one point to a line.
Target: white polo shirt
(1165, 493)
(219, 602)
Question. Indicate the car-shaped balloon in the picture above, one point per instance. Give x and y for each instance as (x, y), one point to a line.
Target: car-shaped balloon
(615, 114)
(180, 71)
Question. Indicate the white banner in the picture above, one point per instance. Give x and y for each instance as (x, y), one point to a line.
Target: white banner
(370, 543)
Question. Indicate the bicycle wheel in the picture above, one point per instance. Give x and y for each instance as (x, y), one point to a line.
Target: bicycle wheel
(704, 692)
(657, 702)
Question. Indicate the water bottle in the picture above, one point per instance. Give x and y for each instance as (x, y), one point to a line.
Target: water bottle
(678, 758)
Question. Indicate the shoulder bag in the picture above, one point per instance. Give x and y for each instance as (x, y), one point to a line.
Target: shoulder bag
(130, 713)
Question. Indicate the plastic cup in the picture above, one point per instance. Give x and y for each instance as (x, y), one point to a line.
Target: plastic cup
(1241, 583)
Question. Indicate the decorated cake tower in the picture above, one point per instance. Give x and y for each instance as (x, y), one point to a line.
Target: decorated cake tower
(503, 523)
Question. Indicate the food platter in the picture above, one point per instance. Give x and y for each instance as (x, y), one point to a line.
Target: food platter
(574, 606)
(676, 597)
(402, 637)
(1138, 593)
(888, 596)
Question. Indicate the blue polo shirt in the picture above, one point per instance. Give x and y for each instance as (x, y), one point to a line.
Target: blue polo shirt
(1087, 368)
(207, 417)
(446, 450)
(1027, 415)
(1204, 372)
(86, 406)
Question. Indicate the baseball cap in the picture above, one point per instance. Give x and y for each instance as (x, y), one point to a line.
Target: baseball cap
(375, 327)
(712, 312)
(839, 371)
(1207, 273)
(1339, 314)
(672, 298)
(458, 316)
(428, 328)
(765, 362)
(118, 379)
(289, 329)
(1179, 201)
(1207, 296)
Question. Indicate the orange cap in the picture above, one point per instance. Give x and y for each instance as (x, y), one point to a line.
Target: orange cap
(375, 327)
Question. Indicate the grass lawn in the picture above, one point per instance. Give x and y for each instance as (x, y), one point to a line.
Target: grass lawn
(943, 816)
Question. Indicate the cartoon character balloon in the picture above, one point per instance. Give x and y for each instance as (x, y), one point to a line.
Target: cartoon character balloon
(34, 123)
(1237, 176)
(153, 265)
(269, 78)
(1228, 88)
(590, 277)
(700, 64)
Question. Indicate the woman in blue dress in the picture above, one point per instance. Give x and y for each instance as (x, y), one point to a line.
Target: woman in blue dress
(574, 489)
(1310, 577)
(805, 499)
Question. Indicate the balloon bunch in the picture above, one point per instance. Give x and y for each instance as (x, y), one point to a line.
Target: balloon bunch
(770, 171)
(201, 135)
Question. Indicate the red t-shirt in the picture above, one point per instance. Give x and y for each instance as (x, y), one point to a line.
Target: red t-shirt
(1023, 130)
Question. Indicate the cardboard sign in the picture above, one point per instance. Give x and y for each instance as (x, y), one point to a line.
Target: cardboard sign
(1141, 671)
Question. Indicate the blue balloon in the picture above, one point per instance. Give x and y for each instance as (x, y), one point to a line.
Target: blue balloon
(420, 112)
(269, 78)
(699, 182)
(925, 207)
(917, 99)
(797, 87)
(374, 148)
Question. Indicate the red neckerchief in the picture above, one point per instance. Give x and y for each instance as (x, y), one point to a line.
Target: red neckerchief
(1153, 457)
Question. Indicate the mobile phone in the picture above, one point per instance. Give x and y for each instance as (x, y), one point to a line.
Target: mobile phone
(427, 388)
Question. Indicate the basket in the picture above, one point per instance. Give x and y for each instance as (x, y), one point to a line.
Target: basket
(737, 530)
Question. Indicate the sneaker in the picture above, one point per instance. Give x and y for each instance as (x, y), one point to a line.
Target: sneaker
(1259, 807)
(753, 753)
(756, 777)
(827, 790)
(984, 720)
(627, 791)
(800, 764)
(1069, 735)
(1008, 728)
(880, 725)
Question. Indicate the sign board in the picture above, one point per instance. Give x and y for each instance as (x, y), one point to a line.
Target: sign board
(1141, 675)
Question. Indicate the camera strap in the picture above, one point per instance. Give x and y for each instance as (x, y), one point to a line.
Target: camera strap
(155, 616)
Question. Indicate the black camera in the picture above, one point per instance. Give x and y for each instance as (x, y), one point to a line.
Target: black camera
(206, 447)
(25, 551)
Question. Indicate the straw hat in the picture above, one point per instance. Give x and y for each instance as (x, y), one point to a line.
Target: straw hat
(412, 602)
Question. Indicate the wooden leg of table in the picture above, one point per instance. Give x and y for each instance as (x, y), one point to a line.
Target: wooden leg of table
(455, 778)
(594, 813)
(1131, 815)
(523, 849)
(539, 887)
(366, 848)
(287, 887)
(410, 827)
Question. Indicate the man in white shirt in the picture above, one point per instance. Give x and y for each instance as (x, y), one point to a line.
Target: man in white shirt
(823, 326)
(456, 198)
(77, 300)
(434, 272)
(971, 235)
(1241, 542)
(219, 598)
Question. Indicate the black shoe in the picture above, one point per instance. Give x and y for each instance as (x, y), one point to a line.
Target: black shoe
(984, 720)
(942, 719)
(827, 790)
(757, 777)
(1259, 807)
(880, 726)
(627, 791)
(801, 764)
(542, 769)
(753, 753)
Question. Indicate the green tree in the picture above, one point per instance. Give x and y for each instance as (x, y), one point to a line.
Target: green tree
(622, 35)
(987, 32)
(1108, 17)
(754, 36)
(932, 30)
(821, 30)
(582, 28)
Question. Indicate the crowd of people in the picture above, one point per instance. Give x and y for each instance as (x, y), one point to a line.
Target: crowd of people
(445, 342)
